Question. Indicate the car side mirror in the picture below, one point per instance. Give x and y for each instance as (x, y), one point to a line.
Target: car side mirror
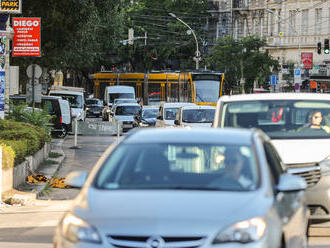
(176, 122)
(159, 117)
(76, 179)
(291, 183)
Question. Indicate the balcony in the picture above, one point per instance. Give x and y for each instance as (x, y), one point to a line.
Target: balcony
(305, 41)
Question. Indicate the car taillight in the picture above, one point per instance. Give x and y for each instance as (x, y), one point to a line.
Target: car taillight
(61, 119)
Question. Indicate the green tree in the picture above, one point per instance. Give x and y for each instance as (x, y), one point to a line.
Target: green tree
(168, 44)
(242, 59)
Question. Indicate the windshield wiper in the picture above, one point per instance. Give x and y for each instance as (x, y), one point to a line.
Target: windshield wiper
(194, 188)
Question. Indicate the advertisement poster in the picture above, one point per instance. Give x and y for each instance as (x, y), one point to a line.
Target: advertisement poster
(2, 94)
(26, 40)
(307, 60)
(11, 6)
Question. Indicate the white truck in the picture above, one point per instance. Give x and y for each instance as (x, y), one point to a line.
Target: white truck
(114, 92)
(75, 96)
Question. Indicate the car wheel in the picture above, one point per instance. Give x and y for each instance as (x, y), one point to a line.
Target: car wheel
(63, 132)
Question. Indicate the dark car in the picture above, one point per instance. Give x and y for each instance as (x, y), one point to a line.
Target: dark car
(57, 107)
(147, 117)
(94, 107)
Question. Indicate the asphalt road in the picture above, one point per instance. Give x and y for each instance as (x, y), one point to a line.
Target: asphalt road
(33, 226)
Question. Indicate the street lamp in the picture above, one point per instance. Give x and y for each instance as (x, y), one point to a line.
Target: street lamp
(192, 31)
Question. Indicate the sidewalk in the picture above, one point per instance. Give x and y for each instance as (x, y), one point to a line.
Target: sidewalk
(26, 194)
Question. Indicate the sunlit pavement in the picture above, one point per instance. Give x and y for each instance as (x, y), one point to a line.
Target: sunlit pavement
(30, 226)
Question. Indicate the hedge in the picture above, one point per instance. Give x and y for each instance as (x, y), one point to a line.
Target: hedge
(19, 141)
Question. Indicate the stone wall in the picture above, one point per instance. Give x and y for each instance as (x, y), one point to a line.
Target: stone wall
(13, 177)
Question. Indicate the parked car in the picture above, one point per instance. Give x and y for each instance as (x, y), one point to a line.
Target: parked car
(57, 107)
(125, 113)
(147, 116)
(187, 188)
(195, 116)
(94, 107)
(167, 113)
(114, 92)
(288, 119)
(75, 97)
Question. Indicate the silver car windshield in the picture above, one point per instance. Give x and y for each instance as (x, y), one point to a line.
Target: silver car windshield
(180, 166)
(280, 119)
(198, 115)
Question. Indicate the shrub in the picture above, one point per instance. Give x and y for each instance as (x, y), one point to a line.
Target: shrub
(8, 156)
(24, 139)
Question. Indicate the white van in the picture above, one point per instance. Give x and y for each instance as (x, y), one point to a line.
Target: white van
(301, 138)
(167, 113)
(114, 92)
(75, 96)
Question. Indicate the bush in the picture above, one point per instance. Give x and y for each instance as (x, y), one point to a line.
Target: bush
(23, 138)
(8, 156)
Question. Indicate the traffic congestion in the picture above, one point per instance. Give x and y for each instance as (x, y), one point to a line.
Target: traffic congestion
(164, 124)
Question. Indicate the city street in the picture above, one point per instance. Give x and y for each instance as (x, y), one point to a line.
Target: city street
(35, 224)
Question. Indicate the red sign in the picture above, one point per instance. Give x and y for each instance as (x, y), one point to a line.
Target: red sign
(27, 37)
(307, 60)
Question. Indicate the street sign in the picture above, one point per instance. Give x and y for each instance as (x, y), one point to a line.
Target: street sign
(297, 76)
(11, 6)
(37, 71)
(273, 80)
(37, 91)
(26, 40)
(307, 60)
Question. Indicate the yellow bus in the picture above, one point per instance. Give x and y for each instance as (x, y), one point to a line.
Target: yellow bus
(202, 88)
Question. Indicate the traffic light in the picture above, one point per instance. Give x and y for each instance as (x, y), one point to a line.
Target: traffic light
(319, 47)
(326, 46)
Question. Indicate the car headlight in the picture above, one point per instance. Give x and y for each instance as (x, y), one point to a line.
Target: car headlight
(242, 232)
(87, 109)
(325, 167)
(75, 230)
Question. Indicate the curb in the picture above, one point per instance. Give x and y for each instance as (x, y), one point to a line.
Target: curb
(27, 193)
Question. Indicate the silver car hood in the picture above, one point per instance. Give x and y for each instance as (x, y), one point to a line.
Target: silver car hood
(185, 124)
(166, 212)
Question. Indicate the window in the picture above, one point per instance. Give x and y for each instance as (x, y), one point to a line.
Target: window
(292, 22)
(318, 21)
(236, 29)
(279, 20)
(180, 166)
(304, 22)
(261, 22)
(274, 161)
(271, 25)
(245, 28)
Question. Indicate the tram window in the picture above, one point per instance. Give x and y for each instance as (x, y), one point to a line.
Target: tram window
(154, 92)
(174, 92)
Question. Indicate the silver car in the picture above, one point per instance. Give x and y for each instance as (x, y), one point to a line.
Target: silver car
(187, 188)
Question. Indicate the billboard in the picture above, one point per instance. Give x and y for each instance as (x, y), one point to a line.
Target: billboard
(307, 60)
(11, 6)
(26, 40)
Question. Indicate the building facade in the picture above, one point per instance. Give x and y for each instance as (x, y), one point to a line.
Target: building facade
(290, 27)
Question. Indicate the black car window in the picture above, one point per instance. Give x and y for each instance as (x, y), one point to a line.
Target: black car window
(274, 161)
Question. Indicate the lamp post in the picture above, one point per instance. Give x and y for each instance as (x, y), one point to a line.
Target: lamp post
(192, 31)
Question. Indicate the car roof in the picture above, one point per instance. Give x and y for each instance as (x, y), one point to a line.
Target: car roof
(189, 136)
(127, 104)
(125, 99)
(197, 107)
(277, 96)
(66, 92)
(176, 104)
(150, 107)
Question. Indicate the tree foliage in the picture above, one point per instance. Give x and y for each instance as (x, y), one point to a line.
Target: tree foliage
(243, 58)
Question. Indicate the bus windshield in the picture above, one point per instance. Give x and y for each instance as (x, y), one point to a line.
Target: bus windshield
(207, 91)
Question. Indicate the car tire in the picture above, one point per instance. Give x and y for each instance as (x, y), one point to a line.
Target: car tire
(63, 132)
